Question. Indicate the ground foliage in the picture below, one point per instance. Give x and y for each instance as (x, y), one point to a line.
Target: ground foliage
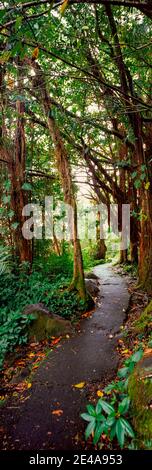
(48, 284)
(135, 339)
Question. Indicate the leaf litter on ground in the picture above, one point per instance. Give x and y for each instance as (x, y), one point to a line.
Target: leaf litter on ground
(25, 361)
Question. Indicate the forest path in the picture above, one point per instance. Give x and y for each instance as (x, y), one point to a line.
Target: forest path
(89, 357)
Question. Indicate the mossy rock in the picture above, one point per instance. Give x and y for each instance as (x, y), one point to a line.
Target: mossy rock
(92, 287)
(91, 275)
(140, 392)
(144, 323)
(44, 324)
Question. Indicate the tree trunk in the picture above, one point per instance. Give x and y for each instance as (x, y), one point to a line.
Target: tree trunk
(19, 195)
(56, 244)
(122, 176)
(78, 275)
(145, 258)
(145, 246)
(134, 223)
(134, 239)
(101, 247)
(63, 165)
(123, 256)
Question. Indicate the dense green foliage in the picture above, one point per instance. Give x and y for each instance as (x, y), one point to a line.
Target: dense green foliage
(109, 416)
(48, 283)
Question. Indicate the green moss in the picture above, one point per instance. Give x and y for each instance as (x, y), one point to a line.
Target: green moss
(85, 298)
(140, 392)
(44, 327)
(144, 323)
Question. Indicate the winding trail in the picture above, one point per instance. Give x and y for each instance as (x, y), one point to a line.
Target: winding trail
(89, 356)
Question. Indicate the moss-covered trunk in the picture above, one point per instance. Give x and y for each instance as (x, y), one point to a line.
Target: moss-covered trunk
(140, 392)
(64, 169)
(18, 195)
(78, 282)
(134, 240)
(101, 246)
(145, 259)
(123, 256)
(14, 155)
(134, 222)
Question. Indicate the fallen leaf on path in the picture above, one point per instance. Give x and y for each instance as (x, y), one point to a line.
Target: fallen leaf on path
(100, 393)
(40, 355)
(22, 398)
(31, 355)
(57, 412)
(87, 314)
(125, 352)
(29, 385)
(20, 363)
(56, 341)
(147, 351)
(2, 397)
(23, 386)
(80, 385)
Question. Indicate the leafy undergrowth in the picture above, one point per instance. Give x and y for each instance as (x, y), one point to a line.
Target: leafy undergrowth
(48, 284)
(109, 420)
(108, 412)
(137, 329)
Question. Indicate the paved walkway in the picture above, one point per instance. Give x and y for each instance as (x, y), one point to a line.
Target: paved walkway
(89, 357)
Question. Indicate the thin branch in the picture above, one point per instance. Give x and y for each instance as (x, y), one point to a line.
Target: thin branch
(89, 74)
(125, 3)
(40, 174)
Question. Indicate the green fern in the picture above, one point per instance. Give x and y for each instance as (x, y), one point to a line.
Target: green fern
(5, 260)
